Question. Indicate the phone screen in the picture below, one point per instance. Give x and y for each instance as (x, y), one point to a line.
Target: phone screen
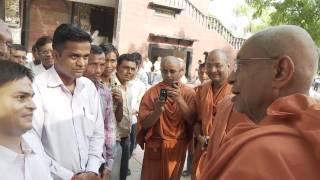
(163, 94)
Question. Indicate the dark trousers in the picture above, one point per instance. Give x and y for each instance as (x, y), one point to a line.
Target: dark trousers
(133, 143)
(189, 160)
(125, 145)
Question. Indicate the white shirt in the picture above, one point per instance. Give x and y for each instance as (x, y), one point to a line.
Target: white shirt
(142, 75)
(36, 69)
(124, 126)
(147, 65)
(138, 91)
(70, 125)
(156, 66)
(30, 165)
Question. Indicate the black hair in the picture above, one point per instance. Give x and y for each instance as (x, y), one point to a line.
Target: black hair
(10, 71)
(126, 57)
(202, 65)
(68, 32)
(137, 56)
(18, 47)
(96, 49)
(43, 40)
(34, 48)
(108, 48)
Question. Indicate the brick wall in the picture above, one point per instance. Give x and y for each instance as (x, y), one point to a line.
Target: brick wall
(137, 21)
(45, 16)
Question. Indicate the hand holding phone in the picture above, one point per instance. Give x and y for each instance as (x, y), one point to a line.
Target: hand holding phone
(163, 95)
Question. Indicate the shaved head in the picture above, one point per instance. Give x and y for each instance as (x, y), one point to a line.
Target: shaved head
(218, 54)
(217, 67)
(5, 37)
(273, 63)
(172, 68)
(172, 60)
(294, 42)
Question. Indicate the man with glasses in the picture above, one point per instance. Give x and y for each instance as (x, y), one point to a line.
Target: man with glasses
(271, 82)
(43, 50)
(207, 97)
(5, 40)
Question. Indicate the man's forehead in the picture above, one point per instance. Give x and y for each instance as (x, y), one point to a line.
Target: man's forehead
(99, 58)
(23, 85)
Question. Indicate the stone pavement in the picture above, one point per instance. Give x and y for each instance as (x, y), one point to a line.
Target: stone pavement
(135, 165)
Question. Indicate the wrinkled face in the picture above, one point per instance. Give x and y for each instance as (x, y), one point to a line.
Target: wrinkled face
(5, 42)
(111, 64)
(203, 76)
(73, 59)
(171, 72)
(45, 55)
(95, 67)
(18, 56)
(126, 70)
(16, 107)
(252, 81)
(217, 68)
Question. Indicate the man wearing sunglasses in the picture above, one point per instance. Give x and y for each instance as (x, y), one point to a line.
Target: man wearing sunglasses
(271, 80)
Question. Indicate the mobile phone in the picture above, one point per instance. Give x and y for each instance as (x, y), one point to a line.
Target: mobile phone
(163, 94)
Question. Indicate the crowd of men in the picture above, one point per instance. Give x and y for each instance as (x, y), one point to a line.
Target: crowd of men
(78, 110)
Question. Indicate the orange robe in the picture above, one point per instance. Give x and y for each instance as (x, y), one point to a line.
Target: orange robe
(165, 143)
(206, 102)
(284, 145)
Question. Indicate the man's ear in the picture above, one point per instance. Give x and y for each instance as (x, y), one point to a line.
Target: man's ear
(283, 71)
(182, 72)
(56, 54)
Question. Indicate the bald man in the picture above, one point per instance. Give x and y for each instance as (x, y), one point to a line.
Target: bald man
(5, 40)
(270, 84)
(207, 97)
(164, 122)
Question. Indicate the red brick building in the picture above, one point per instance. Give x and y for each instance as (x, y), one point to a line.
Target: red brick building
(151, 27)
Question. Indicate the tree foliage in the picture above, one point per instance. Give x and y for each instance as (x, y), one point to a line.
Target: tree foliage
(304, 13)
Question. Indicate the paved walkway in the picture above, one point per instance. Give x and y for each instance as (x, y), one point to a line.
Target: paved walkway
(135, 165)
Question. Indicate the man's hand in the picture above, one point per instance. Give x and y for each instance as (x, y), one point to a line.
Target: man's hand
(117, 96)
(202, 140)
(174, 92)
(159, 105)
(105, 174)
(87, 176)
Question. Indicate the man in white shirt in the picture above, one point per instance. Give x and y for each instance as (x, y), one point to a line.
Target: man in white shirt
(19, 158)
(44, 61)
(68, 117)
(126, 68)
(139, 89)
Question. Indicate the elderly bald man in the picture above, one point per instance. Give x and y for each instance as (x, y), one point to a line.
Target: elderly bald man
(5, 40)
(164, 122)
(270, 83)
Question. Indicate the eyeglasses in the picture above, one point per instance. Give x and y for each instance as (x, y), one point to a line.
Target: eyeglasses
(6, 44)
(45, 52)
(239, 61)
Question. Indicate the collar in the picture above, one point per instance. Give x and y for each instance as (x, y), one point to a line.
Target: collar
(8, 156)
(289, 108)
(54, 79)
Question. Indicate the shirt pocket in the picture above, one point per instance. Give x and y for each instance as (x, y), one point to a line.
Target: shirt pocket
(89, 122)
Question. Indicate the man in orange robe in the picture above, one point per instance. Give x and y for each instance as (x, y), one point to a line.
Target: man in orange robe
(163, 124)
(207, 97)
(271, 84)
